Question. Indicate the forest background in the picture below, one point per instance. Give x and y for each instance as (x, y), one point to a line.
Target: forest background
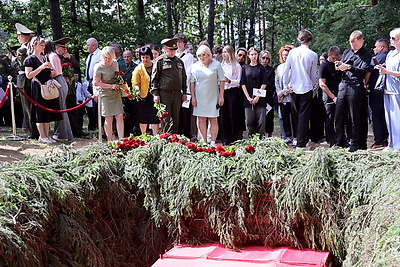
(265, 24)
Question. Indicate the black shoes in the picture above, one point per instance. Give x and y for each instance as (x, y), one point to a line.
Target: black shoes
(353, 148)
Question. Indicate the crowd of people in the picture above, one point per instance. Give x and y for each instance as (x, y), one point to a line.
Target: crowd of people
(218, 94)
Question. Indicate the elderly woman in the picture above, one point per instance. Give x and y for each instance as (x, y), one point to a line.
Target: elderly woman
(147, 113)
(37, 69)
(254, 76)
(230, 110)
(392, 92)
(285, 111)
(109, 93)
(207, 96)
(265, 60)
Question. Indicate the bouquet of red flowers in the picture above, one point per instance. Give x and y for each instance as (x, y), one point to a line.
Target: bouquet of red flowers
(118, 77)
(68, 71)
(132, 93)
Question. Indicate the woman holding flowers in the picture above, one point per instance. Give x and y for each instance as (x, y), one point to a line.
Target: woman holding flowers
(147, 113)
(107, 79)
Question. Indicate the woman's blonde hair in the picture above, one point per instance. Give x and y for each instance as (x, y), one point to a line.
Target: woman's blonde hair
(231, 53)
(108, 50)
(396, 33)
(204, 49)
(232, 58)
(34, 41)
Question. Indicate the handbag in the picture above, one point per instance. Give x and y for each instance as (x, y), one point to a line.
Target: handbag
(49, 89)
(381, 83)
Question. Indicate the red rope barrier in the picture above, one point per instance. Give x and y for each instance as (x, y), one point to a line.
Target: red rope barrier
(4, 97)
(52, 110)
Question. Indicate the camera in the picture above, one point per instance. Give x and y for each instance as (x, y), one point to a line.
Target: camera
(337, 64)
(376, 62)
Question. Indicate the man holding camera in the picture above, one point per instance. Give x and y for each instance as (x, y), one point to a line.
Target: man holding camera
(351, 97)
(375, 98)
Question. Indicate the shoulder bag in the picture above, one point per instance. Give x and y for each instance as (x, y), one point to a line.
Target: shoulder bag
(49, 89)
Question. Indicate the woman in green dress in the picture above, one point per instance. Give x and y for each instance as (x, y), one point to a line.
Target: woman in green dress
(109, 92)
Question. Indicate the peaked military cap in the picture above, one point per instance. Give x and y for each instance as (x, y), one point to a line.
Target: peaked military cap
(63, 42)
(21, 29)
(170, 43)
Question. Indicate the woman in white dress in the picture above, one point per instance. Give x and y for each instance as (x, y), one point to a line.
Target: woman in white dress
(392, 92)
(207, 95)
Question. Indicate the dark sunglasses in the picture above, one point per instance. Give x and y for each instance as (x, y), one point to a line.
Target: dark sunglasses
(265, 58)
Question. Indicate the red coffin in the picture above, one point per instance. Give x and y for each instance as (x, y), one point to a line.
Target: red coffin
(216, 255)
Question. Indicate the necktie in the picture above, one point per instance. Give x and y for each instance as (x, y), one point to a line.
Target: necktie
(88, 67)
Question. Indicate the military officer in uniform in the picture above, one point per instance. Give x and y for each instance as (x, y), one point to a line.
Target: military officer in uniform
(168, 83)
(24, 37)
(61, 46)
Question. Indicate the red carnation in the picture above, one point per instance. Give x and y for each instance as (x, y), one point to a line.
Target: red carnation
(190, 145)
(249, 148)
(220, 148)
(164, 136)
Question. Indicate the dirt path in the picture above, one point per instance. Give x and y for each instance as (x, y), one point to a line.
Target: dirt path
(12, 151)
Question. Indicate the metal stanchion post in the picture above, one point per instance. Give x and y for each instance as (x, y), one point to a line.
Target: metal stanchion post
(14, 136)
(99, 118)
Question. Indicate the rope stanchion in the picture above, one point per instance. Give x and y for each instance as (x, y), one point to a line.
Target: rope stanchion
(4, 97)
(52, 110)
(14, 136)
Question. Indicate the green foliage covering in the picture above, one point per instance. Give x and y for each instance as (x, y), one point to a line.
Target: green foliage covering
(276, 22)
(95, 208)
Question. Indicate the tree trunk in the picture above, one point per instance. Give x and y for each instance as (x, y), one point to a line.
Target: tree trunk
(181, 17)
(211, 26)
(260, 33)
(169, 17)
(199, 19)
(252, 31)
(241, 30)
(88, 19)
(55, 19)
(74, 15)
(140, 9)
(264, 30)
(118, 12)
(74, 19)
(226, 22)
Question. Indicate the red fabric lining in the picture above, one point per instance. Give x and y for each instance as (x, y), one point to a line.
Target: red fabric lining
(218, 255)
(4, 97)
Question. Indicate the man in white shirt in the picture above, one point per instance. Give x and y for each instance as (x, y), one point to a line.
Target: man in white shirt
(299, 78)
(93, 58)
(188, 60)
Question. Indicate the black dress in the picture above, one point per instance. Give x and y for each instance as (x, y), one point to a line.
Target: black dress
(147, 113)
(39, 115)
